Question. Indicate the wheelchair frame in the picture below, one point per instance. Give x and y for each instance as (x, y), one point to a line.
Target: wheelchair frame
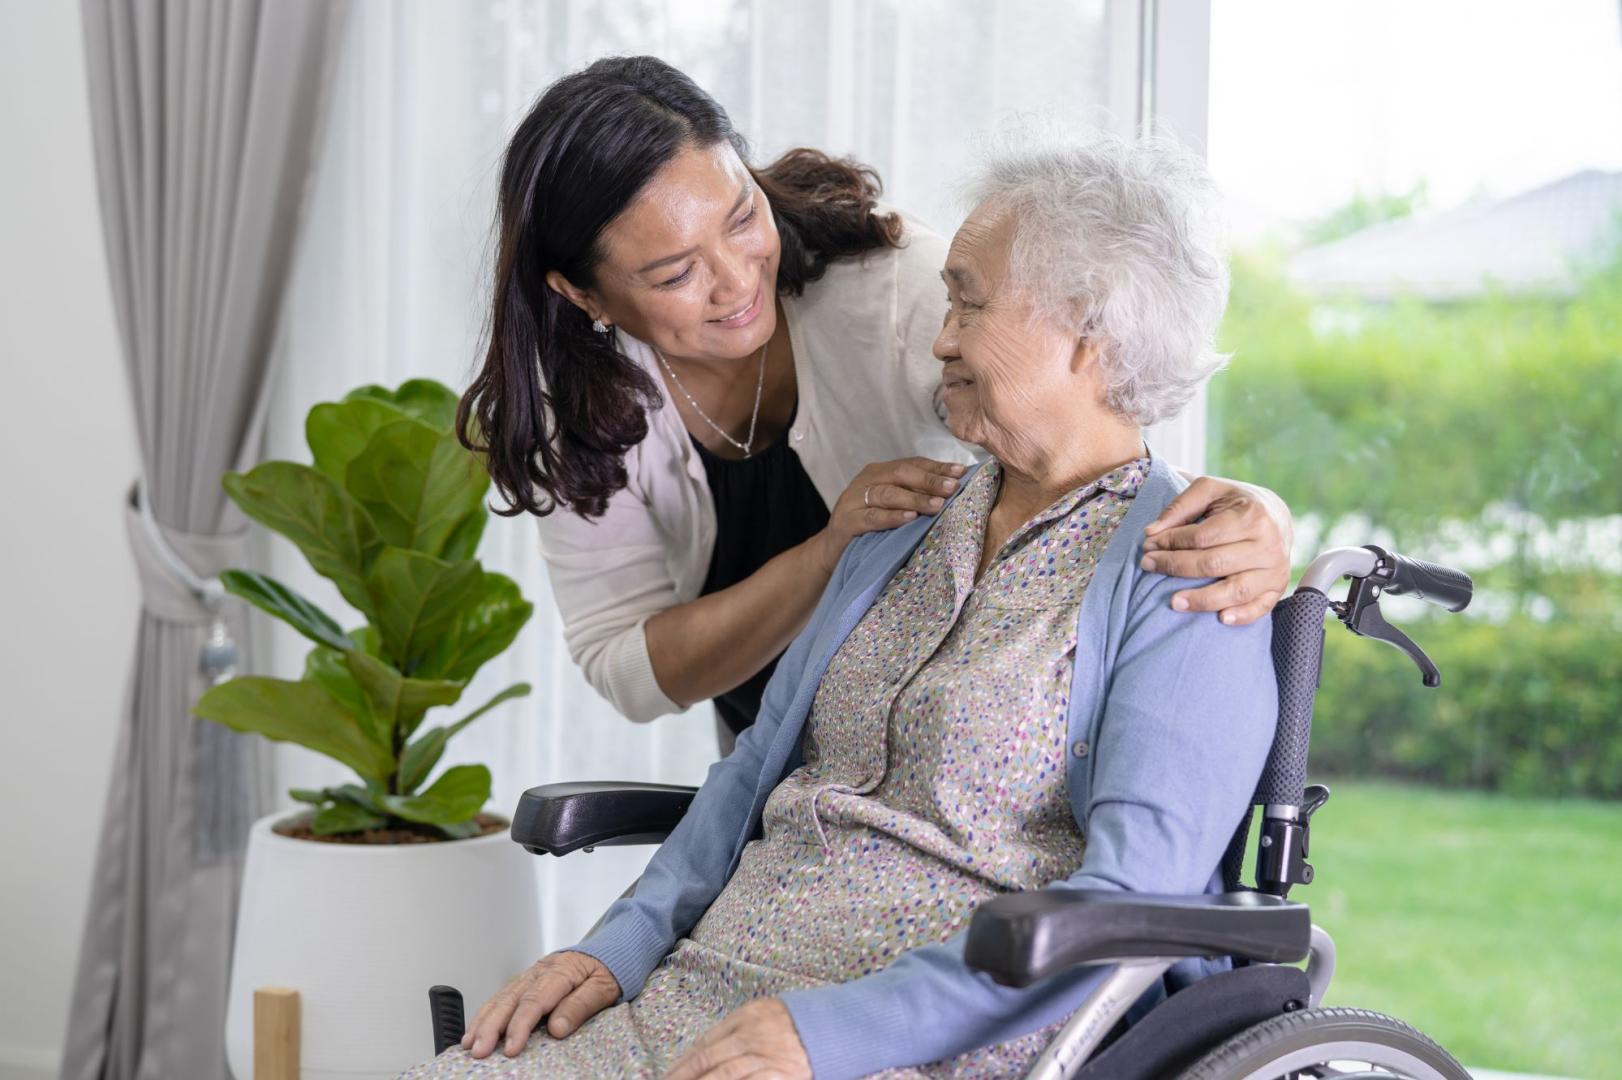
(1206, 1029)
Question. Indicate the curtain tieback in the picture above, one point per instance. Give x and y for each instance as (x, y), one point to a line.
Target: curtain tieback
(172, 590)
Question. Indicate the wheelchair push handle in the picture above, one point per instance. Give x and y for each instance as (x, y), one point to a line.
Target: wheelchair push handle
(1431, 582)
(1298, 638)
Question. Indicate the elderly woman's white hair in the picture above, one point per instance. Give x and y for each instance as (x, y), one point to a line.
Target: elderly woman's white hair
(1119, 238)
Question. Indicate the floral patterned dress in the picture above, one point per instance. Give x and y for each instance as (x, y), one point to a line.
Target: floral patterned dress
(933, 780)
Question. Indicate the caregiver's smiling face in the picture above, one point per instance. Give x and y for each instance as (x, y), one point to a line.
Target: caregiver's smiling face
(1012, 383)
(690, 266)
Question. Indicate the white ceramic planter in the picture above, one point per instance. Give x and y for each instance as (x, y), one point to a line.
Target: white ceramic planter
(361, 932)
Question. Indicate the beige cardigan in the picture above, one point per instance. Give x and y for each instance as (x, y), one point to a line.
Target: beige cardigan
(862, 338)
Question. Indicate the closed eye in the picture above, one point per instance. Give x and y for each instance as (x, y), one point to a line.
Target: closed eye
(679, 279)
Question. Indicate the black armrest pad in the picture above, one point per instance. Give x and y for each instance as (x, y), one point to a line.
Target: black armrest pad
(1023, 937)
(555, 819)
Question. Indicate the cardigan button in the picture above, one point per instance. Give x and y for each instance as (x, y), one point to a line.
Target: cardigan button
(1079, 748)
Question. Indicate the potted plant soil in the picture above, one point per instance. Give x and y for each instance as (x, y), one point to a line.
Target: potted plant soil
(398, 879)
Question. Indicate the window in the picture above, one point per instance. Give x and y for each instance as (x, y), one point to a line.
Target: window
(1426, 322)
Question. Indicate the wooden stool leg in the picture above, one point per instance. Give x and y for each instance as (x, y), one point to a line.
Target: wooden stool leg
(275, 1033)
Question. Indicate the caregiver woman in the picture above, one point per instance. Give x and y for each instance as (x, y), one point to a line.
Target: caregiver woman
(693, 367)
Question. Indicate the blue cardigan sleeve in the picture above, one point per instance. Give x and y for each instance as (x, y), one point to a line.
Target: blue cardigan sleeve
(1188, 717)
(691, 867)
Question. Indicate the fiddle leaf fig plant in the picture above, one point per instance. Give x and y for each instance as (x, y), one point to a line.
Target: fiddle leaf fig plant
(391, 512)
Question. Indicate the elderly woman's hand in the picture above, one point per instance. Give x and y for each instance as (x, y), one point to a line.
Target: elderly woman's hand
(886, 495)
(570, 986)
(1218, 528)
(757, 1039)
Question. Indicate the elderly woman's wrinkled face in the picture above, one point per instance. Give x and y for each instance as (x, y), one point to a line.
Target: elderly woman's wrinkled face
(1013, 384)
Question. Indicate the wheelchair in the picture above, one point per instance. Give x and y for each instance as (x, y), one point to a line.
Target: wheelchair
(1260, 1020)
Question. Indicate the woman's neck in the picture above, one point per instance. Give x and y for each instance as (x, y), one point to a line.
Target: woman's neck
(725, 390)
(1029, 487)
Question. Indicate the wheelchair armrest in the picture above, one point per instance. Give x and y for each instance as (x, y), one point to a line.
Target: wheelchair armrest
(555, 819)
(1021, 938)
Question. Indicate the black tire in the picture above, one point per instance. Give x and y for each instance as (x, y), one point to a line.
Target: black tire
(1286, 1043)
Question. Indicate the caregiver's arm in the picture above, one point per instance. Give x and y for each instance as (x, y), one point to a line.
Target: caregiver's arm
(1226, 529)
(712, 644)
(650, 654)
(1185, 731)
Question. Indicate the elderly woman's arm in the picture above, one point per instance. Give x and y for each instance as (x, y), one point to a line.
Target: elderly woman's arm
(691, 867)
(1186, 728)
(684, 877)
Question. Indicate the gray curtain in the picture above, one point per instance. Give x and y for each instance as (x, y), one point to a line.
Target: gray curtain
(206, 116)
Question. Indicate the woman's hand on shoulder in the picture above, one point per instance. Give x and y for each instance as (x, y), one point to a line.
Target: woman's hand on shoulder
(1223, 529)
(887, 495)
(568, 987)
(757, 1039)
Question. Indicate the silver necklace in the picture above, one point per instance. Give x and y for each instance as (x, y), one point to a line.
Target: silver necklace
(760, 383)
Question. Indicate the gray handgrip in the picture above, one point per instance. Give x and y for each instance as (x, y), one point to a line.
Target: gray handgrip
(1431, 582)
(1298, 639)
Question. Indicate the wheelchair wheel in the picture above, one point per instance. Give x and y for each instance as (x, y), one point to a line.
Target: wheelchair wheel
(1336, 1044)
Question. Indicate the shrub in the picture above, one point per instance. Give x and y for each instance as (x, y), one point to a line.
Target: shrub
(1526, 707)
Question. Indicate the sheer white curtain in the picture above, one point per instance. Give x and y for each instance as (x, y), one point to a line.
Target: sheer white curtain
(390, 282)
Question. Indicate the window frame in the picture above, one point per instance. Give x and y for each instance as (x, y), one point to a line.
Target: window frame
(1168, 93)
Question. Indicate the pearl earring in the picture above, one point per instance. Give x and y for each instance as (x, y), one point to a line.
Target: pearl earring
(600, 326)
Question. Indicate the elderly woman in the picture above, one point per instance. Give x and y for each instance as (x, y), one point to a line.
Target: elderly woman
(998, 697)
(704, 378)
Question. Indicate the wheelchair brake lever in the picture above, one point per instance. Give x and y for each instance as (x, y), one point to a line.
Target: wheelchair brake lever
(1361, 614)
(1312, 800)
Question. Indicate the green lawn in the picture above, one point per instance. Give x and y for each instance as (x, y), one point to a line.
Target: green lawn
(1493, 924)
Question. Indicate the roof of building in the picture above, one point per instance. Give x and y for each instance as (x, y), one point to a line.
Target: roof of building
(1534, 242)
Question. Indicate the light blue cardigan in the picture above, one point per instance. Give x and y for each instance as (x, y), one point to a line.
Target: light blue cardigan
(1171, 718)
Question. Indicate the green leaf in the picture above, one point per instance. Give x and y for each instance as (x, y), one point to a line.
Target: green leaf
(461, 830)
(463, 541)
(328, 669)
(456, 796)
(338, 431)
(305, 795)
(297, 712)
(306, 506)
(272, 596)
(416, 598)
(421, 756)
(417, 485)
(424, 399)
(398, 703)
(366, 637)
(354, 795)
(345, 817)
(484, 626)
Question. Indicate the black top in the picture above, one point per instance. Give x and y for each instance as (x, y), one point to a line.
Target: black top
(764, 505)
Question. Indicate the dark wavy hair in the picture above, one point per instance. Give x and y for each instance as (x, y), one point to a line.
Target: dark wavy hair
(556, 404)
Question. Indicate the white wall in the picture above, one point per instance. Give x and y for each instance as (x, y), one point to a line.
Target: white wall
(68, 594)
